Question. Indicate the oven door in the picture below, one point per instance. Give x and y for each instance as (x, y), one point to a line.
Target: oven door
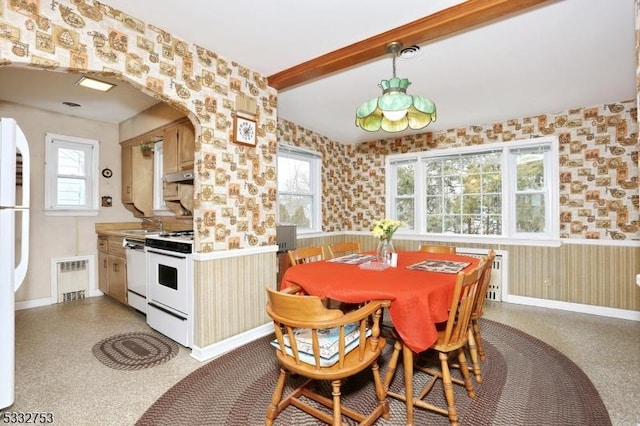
(168, 280)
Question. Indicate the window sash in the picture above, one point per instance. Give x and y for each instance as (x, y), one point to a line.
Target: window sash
(305, 197)
(62, 175)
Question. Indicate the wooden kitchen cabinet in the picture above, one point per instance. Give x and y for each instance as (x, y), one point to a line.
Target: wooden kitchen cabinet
(127, 175)
(137, 179)
(103, 272)
(118, 278)
(112, 272)
(178, 148)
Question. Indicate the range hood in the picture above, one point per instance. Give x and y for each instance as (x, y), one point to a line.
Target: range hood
(181, 176)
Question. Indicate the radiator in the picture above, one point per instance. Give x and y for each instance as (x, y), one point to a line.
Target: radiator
(71, 277)
(498, 270)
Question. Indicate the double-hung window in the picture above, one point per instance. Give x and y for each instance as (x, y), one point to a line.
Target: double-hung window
(71, 173)
(497, 190)
(299, 188)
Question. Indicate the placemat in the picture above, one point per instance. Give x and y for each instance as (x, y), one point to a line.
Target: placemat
(443, 266)
(353, 259)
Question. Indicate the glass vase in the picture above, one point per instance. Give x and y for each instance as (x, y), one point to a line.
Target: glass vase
(385, 248)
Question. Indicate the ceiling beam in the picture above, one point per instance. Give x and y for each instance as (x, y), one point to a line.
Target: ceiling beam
(445, 22)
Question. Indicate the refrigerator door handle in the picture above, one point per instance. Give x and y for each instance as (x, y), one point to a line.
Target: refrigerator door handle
(23, 147)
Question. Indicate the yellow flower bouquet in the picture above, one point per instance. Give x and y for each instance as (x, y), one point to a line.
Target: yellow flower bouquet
(385, 228)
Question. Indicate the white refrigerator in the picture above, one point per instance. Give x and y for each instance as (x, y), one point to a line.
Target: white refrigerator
(14, 244)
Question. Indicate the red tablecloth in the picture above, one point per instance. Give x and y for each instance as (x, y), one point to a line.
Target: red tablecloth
(419, 299)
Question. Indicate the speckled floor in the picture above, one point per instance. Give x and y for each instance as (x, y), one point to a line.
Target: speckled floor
(57, 372)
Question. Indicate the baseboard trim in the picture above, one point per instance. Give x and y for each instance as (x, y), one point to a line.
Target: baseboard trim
(46, 301)
(574, 307)
(220, 348)
(33, 303)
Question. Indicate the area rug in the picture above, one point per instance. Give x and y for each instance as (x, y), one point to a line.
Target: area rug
(134, 351)
(526, 382)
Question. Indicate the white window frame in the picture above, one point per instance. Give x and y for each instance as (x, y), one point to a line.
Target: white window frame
(315, 161)
(418, 228)
(53, 142)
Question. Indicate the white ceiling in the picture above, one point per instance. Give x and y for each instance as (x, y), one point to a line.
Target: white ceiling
(560, 55)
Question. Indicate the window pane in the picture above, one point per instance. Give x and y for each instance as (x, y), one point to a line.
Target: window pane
(433, 167)
(492, 182)
(71, 162)
(492, 225)
(471, 204)
(451, 224)
(294, 175)
(492, 204)
(471, 224)
(530, 171)
(71, 192)
(466, 188)
(434, 185)
(453, 185)
(296, 209)
(405, 179)
(530, 213)
(434, 205)
(492, 162)
(453, 204)
(434, 224)
(404, 211)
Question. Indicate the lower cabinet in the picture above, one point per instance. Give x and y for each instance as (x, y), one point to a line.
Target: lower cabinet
(103, 272)
(112, 275)
(118, 278)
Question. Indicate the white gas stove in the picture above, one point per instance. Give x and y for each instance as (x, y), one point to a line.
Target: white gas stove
(180, 241)
(170, 285)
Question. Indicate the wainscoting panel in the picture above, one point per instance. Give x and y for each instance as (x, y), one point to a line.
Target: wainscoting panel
(591, 275)
(601, 276)
(230, 295)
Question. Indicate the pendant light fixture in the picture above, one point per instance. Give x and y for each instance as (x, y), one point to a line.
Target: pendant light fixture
(395, 111)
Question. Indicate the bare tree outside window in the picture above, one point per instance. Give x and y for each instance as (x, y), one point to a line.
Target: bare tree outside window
(298, 189)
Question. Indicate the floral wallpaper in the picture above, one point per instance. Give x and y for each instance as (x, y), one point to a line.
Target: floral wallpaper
(598, 147)
(235, 186)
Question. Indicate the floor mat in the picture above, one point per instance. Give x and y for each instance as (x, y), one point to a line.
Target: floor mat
(134, 351)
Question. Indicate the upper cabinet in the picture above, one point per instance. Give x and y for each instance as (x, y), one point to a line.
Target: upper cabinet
(178, 151)
(137, 178)
(138, 174)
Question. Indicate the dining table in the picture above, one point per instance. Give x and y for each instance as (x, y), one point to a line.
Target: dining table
(420, 289)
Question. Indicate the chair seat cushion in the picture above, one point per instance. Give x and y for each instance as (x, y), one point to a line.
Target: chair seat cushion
(327, 340)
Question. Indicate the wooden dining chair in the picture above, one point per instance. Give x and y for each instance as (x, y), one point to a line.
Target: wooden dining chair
(452, 338)
(342, 249)
(324, 344)
(476, 349)
(306, 255)
(437, 249)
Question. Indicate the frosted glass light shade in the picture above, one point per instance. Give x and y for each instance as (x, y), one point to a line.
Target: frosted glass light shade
(395, 115)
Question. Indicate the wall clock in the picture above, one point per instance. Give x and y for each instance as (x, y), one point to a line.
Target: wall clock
(244, 130)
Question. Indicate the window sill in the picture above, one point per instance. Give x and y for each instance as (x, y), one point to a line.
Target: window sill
(485, 239)
(61, 212)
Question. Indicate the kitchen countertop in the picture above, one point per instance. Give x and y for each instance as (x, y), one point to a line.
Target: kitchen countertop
(125, 229)
(137, 229)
